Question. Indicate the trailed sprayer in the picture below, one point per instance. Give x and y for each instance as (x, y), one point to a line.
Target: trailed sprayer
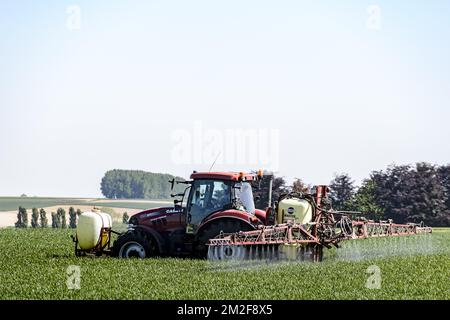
(299, 227)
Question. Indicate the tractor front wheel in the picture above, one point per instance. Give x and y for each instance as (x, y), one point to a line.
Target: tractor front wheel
(133, 244)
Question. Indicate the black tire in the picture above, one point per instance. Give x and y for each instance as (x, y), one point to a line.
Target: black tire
(134, 244)
(214, 228)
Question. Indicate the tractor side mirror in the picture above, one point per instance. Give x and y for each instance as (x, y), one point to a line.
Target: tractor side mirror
(173, 195)
(172, 184)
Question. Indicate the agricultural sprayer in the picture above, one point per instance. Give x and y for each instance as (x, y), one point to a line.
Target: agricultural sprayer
(215, 217)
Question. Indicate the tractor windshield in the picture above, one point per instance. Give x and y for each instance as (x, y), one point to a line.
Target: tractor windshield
(243, 192)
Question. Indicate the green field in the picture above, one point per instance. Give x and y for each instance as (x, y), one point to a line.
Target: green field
(12, 203)
(130, 205)
(33, 265)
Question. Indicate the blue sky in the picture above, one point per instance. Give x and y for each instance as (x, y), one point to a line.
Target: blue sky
(343, 97)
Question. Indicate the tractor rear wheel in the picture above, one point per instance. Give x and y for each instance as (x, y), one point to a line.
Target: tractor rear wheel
(214, 228)
(133, 244)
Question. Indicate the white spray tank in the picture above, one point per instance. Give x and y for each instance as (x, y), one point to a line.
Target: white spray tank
(92, 229)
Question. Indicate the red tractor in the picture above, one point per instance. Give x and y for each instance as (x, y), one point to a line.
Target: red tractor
(213, 202)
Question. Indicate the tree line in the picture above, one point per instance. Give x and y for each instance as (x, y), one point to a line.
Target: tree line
(39, 218)
(404, 193)
(137, 184)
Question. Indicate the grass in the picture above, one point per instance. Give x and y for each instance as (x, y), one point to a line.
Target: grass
(12, 203)
(33, 265)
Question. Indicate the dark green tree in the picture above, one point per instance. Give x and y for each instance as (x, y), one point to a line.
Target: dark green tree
(61, 213)
(299, 186)
(137, 184)
(35, 218)
(342, 191)
(444, 178)
(19, 222)
(412, 194)
(25, 217)
(43, 218)
(261, 190)
(55, 220)
(58, 219)
(365, 201)
(125, 217)
(22, 218)
(72, 218)
(427, 195)
(78, 212)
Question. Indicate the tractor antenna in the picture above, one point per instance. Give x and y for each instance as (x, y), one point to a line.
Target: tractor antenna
(217, 157)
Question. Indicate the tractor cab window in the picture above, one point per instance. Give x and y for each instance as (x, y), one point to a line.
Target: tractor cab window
(207, 196)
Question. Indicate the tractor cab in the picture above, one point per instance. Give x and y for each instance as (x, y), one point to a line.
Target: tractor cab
(216, 192)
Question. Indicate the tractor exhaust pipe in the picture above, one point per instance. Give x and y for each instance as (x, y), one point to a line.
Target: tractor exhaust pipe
(269, 204)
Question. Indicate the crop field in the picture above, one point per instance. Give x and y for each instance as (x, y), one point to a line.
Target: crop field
(12, 203)
(34, 264)
(129, 204)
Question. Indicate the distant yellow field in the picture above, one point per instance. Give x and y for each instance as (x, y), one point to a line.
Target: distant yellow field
(9, 206)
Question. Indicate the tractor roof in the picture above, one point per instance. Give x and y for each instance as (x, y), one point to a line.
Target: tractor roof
(231, 176)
